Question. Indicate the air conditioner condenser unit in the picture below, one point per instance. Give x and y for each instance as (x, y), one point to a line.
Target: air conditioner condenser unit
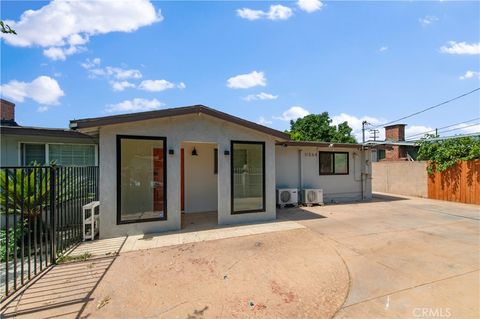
(287, 196)
(312, 196)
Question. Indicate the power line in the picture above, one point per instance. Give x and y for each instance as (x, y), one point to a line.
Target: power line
(429, 108)
(441, 128)
(459, 128)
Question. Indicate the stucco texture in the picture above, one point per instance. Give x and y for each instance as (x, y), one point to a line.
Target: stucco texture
(290, 173)
(177, 130)
(400, 177)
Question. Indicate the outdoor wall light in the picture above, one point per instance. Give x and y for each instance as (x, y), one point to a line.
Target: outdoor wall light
(194, 152)
(226, 152)
(171, 152)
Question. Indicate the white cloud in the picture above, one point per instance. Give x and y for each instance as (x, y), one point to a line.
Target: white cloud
(427, 20)
(417, 131)
(468, 128)
(43, 90)
(93, 68)
(461, 48)
(159, 85)
(356, 124)
(250, 14)
(117, 73)
(57, 53)
(276, 12)
(88, 64)
(119, 76)
(135, 105)
(245, 81)
(470, 74)
(63, 26)
(383, 49)
(310, 5)
(121, 85)
(260, 96)
(263, 121)
(292, 113)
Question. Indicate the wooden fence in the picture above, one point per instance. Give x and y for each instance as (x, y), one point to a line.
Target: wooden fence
(460, 183)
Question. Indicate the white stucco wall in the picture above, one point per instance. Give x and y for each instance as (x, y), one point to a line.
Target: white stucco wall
(336, 188)
(187, 128)
(200, 180)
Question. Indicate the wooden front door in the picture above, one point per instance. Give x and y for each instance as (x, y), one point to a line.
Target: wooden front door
(158, 187)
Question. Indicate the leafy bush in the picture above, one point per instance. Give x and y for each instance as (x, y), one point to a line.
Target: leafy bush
(14, 241)
(444, 154)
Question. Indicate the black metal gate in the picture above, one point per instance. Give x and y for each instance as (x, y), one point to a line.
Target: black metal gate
(40, 218)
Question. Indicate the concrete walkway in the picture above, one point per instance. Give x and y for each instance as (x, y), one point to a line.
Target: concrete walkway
(106, 247)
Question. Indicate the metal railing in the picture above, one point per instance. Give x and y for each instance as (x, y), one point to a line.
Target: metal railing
(40, 218)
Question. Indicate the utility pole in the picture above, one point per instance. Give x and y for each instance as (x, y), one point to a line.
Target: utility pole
(364, 123)
(374, 132)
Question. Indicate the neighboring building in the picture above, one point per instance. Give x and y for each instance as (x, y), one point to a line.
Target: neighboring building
(394, 148)
(154, 165)
(23, 145)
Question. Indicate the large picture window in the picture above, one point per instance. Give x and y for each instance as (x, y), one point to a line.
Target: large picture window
(248, 177)
(60, 154)
(333, 163)
(141, 179)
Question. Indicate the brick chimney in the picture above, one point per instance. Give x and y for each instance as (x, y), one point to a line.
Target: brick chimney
(395, 133)
(7, 113)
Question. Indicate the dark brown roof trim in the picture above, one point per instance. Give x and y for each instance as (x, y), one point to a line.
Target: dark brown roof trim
(319, 144)
(196, 109)
(40, 131)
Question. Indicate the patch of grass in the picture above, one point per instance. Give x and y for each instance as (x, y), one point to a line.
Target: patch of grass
(70, 258)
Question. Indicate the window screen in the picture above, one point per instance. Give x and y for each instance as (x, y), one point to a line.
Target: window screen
(33, 153)
(72, 154)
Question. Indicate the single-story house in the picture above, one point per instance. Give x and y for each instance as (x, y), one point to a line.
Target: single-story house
(23, 145)
(155, 165)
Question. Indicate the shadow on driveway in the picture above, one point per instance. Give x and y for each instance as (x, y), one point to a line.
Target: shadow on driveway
(62, 291)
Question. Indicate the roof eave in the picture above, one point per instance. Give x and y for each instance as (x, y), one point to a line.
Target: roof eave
(196, 109)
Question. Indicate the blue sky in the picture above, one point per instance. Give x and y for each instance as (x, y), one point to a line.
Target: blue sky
(275, 61)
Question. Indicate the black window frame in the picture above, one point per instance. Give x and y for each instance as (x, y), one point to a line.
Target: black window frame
(232, 192)
(215, 161)
(119, 174)
(333, 161)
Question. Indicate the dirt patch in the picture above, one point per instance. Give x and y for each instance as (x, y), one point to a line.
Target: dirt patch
(284, 274)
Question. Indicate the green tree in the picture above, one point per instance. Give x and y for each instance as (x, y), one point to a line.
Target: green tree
(318, 127)
(5, 28)
(444, 154)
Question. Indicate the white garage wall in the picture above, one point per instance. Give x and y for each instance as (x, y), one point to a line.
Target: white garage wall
(336, 188)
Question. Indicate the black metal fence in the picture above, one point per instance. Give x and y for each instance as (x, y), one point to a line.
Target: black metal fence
(40, 218)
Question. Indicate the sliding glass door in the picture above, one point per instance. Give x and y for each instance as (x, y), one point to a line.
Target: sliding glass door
(141, 179)
(248, 177)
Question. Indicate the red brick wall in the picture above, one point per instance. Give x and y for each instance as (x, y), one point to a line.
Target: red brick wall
(396, 154)
(395, 132)
(7, 110)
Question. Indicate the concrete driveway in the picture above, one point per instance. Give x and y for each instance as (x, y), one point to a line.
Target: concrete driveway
(393, 257)
(407, 257)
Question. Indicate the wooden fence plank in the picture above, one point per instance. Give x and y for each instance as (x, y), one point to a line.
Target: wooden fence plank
(460, 183)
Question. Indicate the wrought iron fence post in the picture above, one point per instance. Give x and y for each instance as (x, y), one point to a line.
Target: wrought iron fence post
(53, 244)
